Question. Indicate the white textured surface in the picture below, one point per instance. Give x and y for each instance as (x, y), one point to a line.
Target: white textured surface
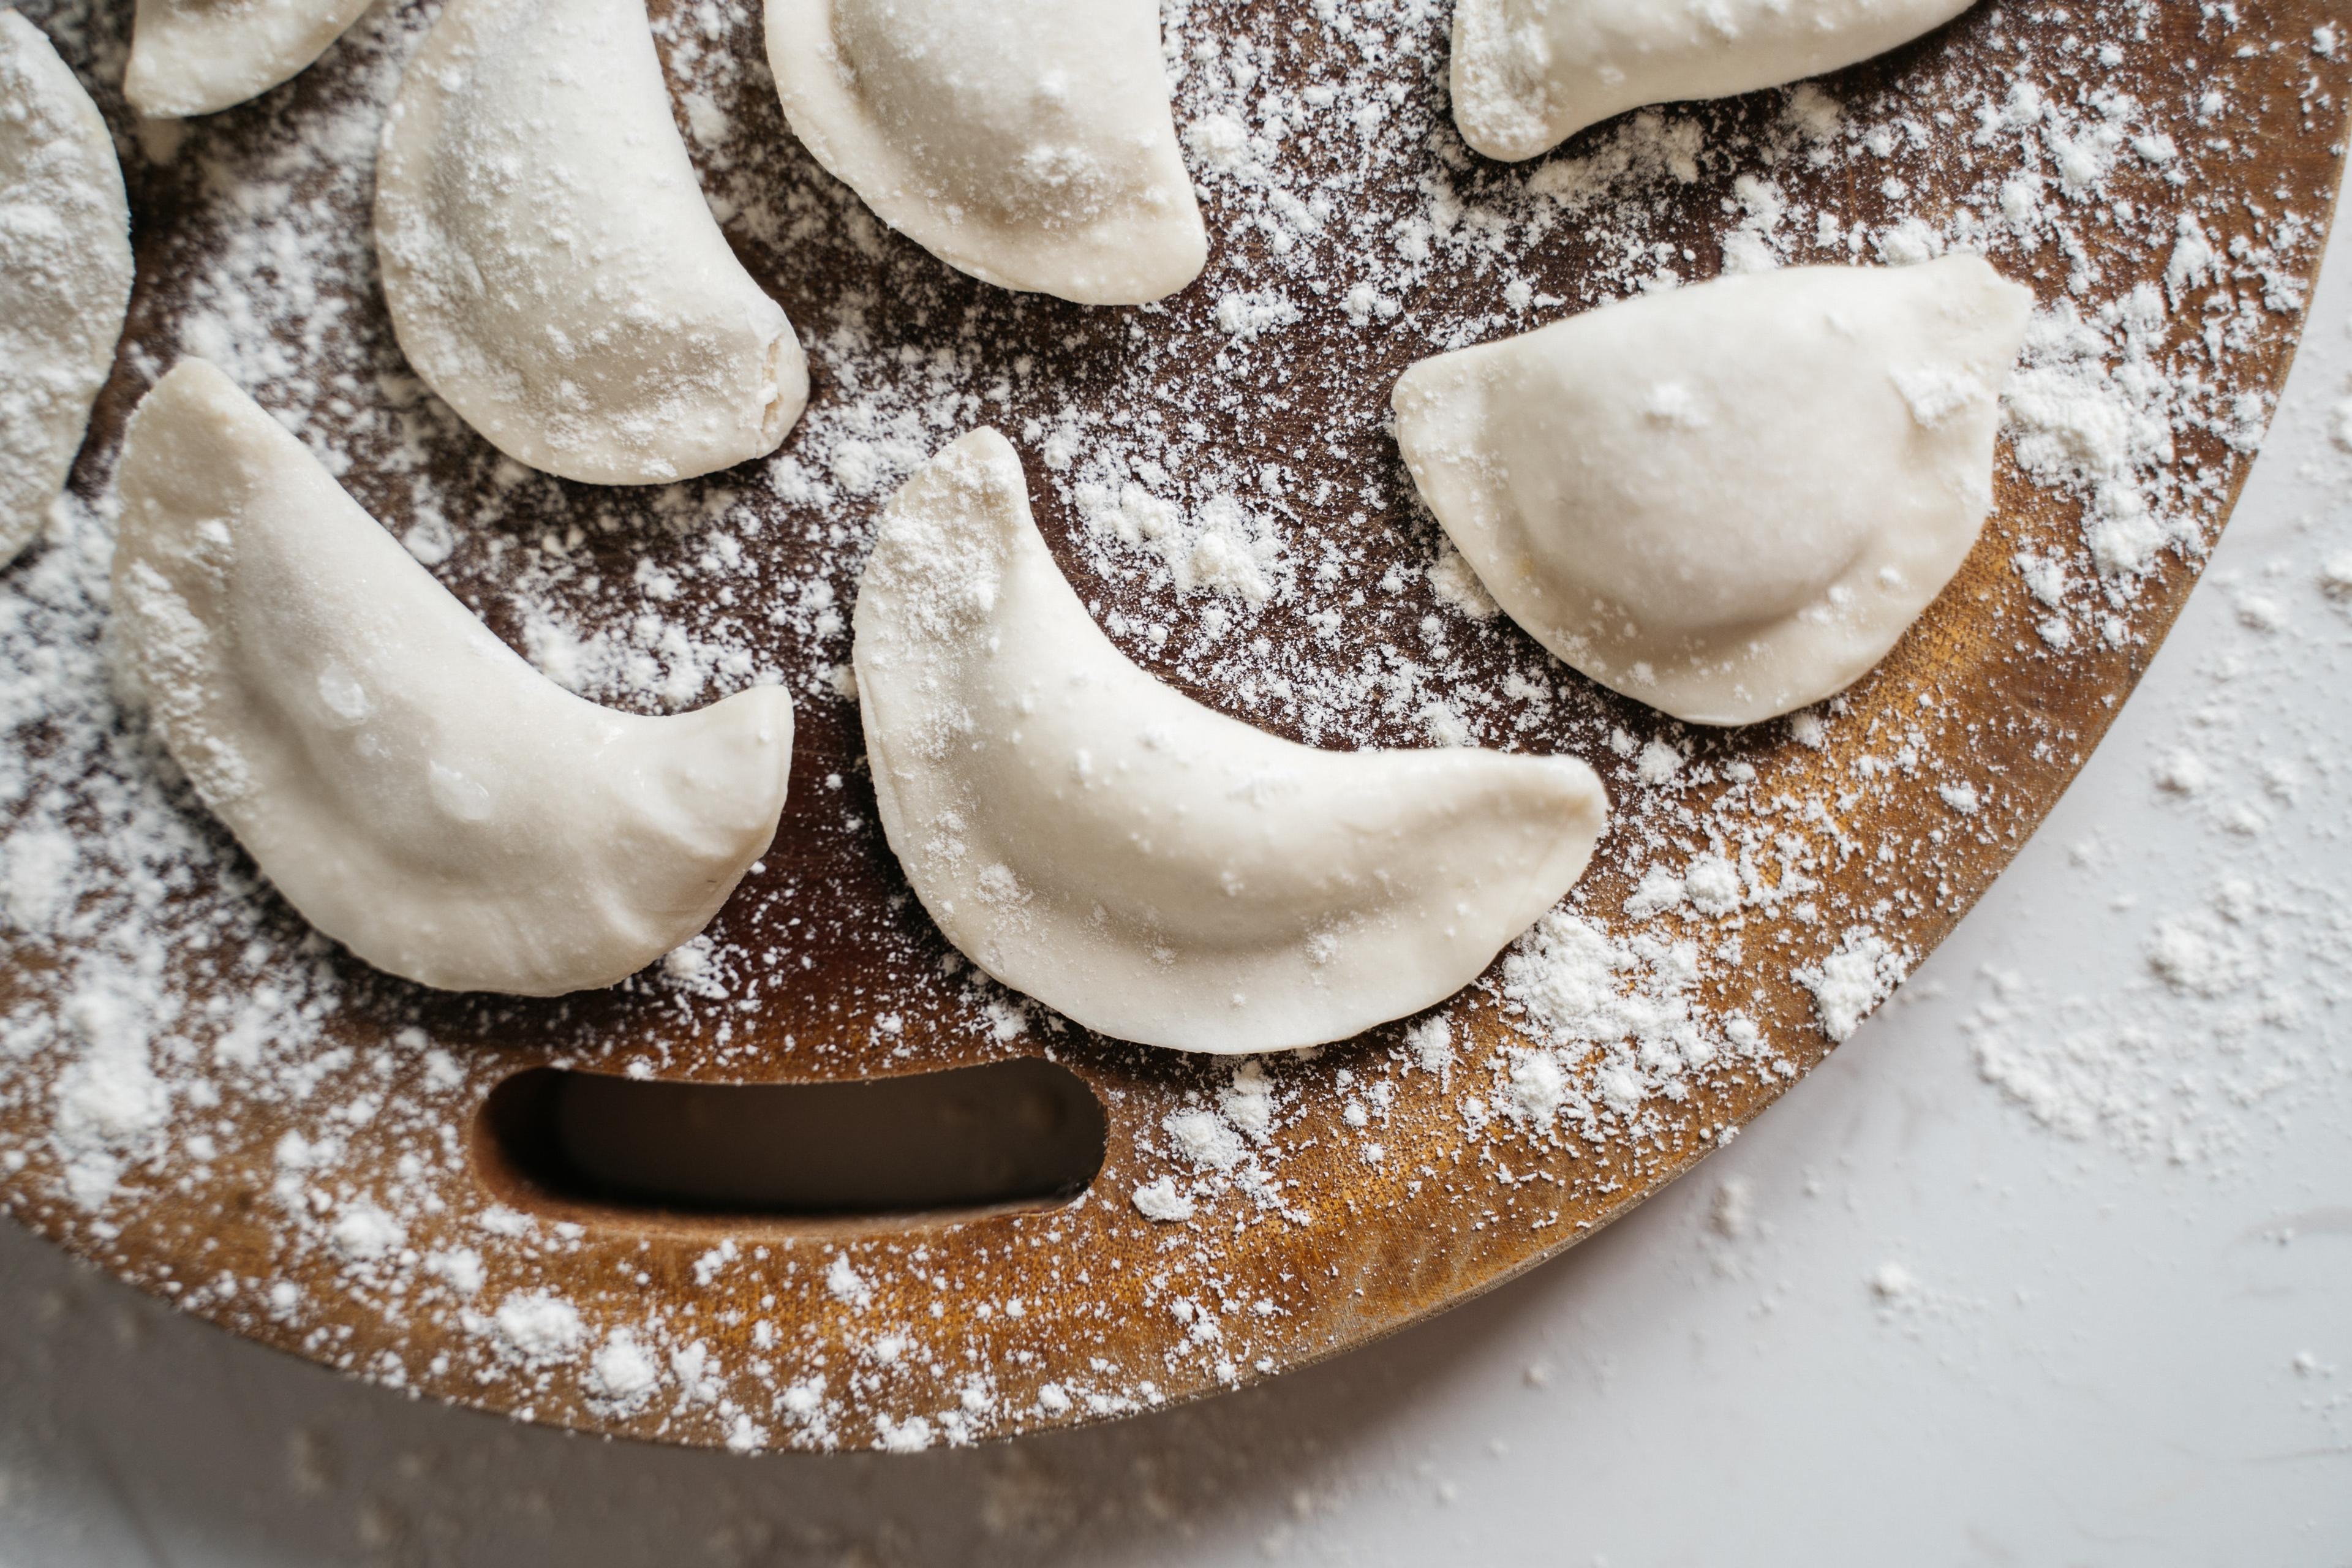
(1154, 869)
(1032, 146)
(1647, 488)
(1949, 1332)
(64, 273)
(420, 793)
(196, 57)
(550, 265)
(1529, 74)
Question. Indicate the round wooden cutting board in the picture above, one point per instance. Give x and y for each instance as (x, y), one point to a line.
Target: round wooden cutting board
(205, 1102)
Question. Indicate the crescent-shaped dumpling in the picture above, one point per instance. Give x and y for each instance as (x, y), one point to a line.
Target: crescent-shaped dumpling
(413, 788)
(1029, 142)
(64, 273)
(195, 57)
(1726, 501)
(553, 269)
(1530, 74)
(1156, 870)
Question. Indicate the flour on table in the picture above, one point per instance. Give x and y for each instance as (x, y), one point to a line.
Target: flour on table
(1190, 516)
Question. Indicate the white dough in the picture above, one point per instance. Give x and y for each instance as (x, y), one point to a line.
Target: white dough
(1029, 142)
(553, 269)
(1726, 501)
(1156, 870)
(1530, 74)
(65, 274)
(413, 788)
(195, 57)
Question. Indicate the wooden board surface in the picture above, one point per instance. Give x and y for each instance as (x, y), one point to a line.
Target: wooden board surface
(1869, 826)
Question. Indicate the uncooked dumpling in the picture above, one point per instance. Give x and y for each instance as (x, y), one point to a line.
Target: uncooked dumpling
(1154, 869)
(413, 787)
(194, 56)
(1726, 501)
(64, 273)
(1530, 74)
(553, 269)
(1029, 144)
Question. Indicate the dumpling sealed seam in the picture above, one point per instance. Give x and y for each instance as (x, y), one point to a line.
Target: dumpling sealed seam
(65, 274)
(1028, 142)
(413, 787)
(1529, 74)
(1726, 500)
(551, 267)
(1153, 869)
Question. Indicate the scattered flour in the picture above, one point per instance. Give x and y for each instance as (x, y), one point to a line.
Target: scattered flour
(1852, 981)
(1201, 535)
(1159, 1200)
(537, 1328)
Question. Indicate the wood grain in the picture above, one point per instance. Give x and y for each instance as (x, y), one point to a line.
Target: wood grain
(1367, 1248)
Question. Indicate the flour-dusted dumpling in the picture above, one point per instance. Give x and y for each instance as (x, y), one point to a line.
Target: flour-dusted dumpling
(194, 56)
(1728, 500)
(1027, 142)
(64, 273)
(413, 788)
(1530, 74)
(1158, 871)
(553, 269)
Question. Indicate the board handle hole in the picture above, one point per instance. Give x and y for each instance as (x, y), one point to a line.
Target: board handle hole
(1004, 1136)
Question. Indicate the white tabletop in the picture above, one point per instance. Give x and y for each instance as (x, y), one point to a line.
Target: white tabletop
(2052, 1263)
